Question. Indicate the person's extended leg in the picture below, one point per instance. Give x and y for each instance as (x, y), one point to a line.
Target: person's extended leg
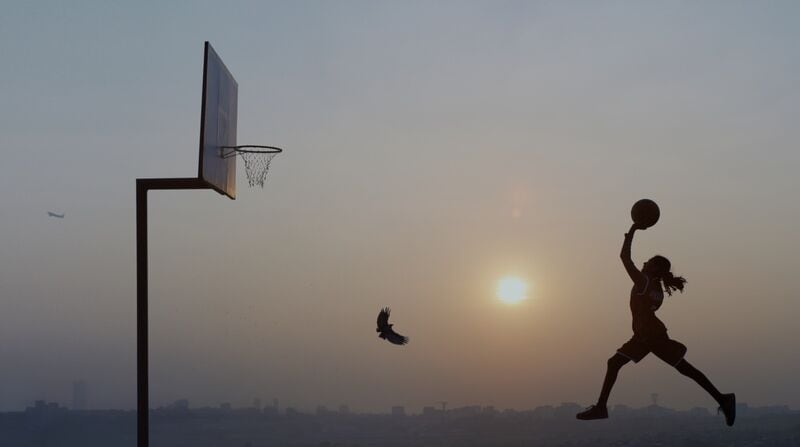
(686, 368)
(727, 402)
(600, 411)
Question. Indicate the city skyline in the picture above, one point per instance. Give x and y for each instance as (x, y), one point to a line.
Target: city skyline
(553, 425)
(80, 402)
(182, 405)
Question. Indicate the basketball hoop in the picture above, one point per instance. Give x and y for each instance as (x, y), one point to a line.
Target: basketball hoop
(256, 160)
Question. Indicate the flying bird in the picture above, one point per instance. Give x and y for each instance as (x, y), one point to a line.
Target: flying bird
(386, 331)
(56, 215)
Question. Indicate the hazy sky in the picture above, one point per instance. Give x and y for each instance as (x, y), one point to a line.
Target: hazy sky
(431, 149)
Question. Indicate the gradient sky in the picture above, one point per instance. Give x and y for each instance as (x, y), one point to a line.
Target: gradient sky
(431, 149)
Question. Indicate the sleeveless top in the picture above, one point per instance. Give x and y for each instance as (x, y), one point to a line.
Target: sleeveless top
(645, 301)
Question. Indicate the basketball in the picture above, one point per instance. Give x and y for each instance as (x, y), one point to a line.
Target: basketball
(645, 213)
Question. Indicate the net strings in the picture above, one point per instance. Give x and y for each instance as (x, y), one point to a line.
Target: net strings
(256, 166)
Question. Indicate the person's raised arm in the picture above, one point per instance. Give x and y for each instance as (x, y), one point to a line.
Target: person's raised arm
(625, 255)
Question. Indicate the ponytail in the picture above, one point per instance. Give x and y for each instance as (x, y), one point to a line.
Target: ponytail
(672, 283)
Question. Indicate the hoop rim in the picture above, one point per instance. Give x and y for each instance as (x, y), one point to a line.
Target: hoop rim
(249, 149)
(254, 149)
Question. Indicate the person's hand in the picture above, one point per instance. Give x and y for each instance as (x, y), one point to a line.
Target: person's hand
(635, 226)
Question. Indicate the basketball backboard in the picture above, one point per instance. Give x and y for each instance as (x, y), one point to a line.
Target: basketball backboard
(218, 124)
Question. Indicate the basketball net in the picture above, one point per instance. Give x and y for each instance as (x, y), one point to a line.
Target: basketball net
(256, 166)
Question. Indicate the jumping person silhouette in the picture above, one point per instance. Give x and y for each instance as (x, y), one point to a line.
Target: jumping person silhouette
(650, 334)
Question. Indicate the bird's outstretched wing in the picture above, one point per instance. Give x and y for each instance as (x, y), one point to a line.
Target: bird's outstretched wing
(383, 320)
(386, 331)
(395, 338)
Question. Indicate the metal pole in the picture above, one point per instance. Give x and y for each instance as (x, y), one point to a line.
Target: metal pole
(142, 367)
(142, 382)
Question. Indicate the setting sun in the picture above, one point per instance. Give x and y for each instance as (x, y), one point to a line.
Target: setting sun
(512, 290)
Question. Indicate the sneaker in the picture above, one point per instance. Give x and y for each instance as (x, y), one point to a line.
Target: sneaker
(593, 412)
(728, 407)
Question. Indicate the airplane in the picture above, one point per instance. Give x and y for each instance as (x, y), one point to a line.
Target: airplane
(59, 216)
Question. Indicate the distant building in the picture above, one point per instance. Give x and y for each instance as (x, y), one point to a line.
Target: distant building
(430, 411)
(398, 410)
(42, 414)
(80, 396)
(470, 410)
(655, 410)
(742, 408)
(179, 405)
(622, 410)
(322, 410)
(700, 412)
(567, 410)
(770, 410)
(225, 406)
(544, 412)
(257, 404)
(344, 409)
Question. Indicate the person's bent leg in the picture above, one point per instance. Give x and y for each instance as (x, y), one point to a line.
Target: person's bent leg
(600, 411)
(615, 363)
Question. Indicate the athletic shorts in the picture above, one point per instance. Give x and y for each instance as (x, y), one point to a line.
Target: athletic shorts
(661, 345)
